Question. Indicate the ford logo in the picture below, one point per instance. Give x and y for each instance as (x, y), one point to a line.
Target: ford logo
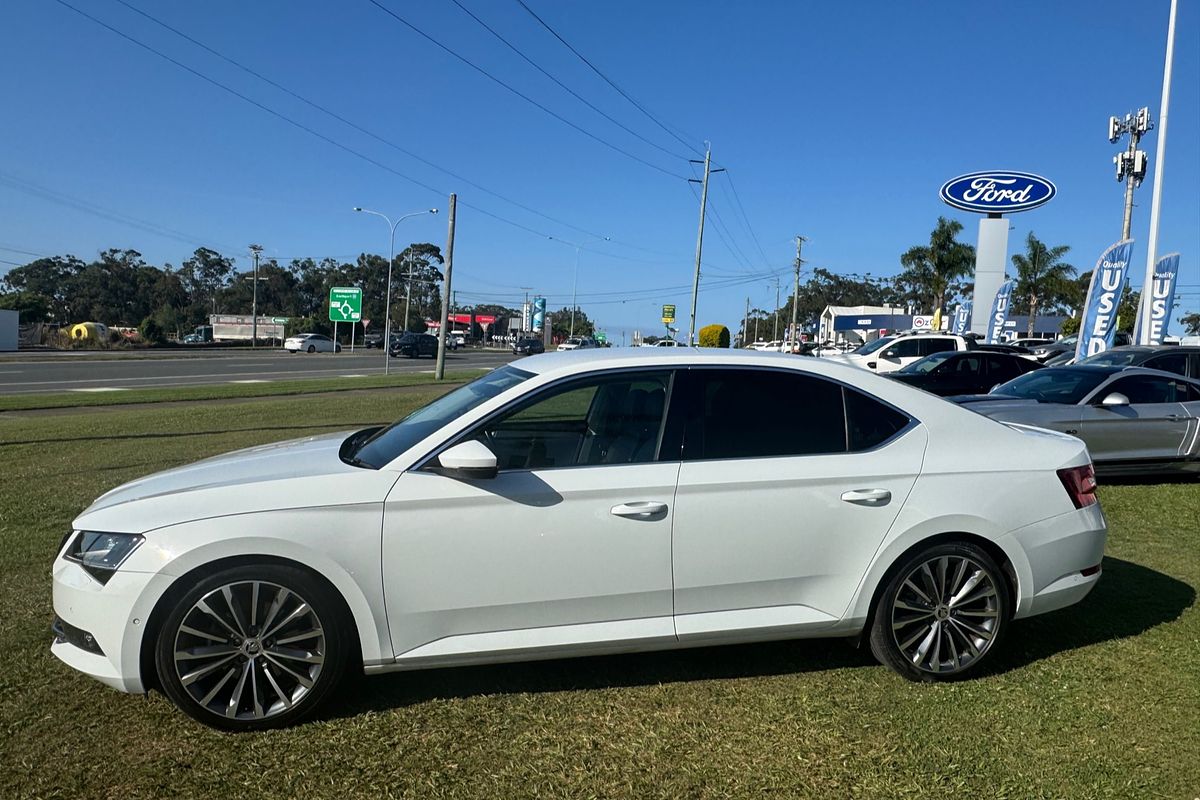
(997, 192)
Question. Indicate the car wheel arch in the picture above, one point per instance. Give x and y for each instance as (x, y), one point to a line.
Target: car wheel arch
(183, 583)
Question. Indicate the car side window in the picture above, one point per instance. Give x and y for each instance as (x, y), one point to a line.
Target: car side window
(1002, 369)
(968, 366)
(935, 344)
(614, 419)
(1143, 389)
(905, 348)
(726, 419)
(870, 423)
(1171, 362)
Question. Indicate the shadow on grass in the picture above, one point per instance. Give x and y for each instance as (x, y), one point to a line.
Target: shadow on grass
(181, 434)
(1129, 600)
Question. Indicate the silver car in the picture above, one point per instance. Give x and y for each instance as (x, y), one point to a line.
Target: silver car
(1135, 421)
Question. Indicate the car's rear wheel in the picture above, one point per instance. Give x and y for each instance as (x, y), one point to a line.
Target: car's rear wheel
(312, 348)
(253, 647)
(942, 613)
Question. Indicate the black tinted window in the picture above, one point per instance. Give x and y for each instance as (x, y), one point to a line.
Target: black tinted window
(905, 348)
(870, 423)
(1001, 369)
(935, 344)
(760, 413)
(1147, 389)
(614, 419)
(1172, 362)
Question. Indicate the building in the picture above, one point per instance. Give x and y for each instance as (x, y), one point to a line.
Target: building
(854, 323)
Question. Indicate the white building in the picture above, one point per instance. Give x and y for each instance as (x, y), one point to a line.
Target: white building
(872, 318)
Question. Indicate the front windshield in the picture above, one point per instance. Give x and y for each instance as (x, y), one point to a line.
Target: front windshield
(928, 363)
(399, 436)
(1053, 385)
(871, 347)
(1112, 358)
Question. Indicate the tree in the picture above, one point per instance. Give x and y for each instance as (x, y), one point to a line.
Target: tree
(560, 323)
(930, 271)
(30, 306)
(1191, 323)
(51, 278)
(714, 336)
(203, 275)
(1041, 274)
(1069, 326)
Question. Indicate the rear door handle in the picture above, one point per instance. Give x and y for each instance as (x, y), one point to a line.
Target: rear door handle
(1176, 416)
(868, 497)
(641, 509)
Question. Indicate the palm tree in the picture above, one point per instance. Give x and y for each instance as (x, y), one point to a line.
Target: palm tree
(1041, 273)
(930, 270)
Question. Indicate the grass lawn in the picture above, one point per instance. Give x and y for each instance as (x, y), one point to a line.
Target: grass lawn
(1102, 700)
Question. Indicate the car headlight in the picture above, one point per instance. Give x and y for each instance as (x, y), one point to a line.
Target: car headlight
(100, 554)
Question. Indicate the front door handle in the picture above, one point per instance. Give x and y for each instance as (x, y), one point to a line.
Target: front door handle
(641, 509)
(1175, 416)
(868, 497)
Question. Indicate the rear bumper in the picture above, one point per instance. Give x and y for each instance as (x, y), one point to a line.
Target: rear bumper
(1060, 556)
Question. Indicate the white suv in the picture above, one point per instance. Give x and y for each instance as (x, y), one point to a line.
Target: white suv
(890, 353)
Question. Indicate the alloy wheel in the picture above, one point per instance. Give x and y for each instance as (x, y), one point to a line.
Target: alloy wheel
(249, 650)
(946, 614)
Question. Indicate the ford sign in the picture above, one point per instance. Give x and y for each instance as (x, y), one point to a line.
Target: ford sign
(997, 192)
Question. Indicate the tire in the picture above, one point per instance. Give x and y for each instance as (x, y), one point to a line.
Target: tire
(337, 348)
(312, 348)
(921, 636)
(268, 686)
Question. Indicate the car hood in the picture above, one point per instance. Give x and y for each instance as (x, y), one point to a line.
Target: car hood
(297, 473)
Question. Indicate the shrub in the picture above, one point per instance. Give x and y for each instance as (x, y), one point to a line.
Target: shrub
(152, 331)
(714, 336)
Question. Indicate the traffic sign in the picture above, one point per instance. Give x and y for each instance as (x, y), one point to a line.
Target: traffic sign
(345, 304)
(668, 315)
(280, 320)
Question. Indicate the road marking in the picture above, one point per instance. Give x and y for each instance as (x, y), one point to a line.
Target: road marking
(100, 389)
(251, 380)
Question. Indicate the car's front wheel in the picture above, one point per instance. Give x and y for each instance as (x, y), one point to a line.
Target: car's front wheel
(942, 613)
(312, 348)
(253, 647)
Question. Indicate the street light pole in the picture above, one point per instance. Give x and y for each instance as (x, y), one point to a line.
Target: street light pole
(575, 282)
(387, 303)
(255, 249)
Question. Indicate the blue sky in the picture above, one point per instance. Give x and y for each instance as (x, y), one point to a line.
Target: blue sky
(838, 121)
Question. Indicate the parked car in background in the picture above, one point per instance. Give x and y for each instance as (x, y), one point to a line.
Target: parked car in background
(415, 345)
(1065, 345)
(373, 340)
(571, 505)
(311, 343)
(528, 347)
(1183, 361)
(1135, 421)
(890, 353)
(577, 343)
(666, 343)
(1007, 347)
(970, 372)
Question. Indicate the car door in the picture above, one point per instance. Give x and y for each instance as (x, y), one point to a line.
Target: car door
(897, 355)
(777, 519)
(569, 546)
(999, 368)
(961, 374)
(1154, 425)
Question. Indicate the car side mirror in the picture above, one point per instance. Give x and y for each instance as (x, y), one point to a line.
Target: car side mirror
(469, 460)
(1115, 399)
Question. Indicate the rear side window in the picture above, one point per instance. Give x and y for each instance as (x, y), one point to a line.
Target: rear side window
(870, 423)
(1173, 362)
(936, 344)
(906, 348)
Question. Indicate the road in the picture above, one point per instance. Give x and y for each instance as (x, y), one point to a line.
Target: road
(38, 373)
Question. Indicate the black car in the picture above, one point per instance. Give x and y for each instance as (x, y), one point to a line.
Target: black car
(528, 347)
(970, 372)
(415, 345)
(1045, 352)
(1183, 361)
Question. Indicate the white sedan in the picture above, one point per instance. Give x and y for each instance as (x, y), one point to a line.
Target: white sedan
(311, 343)
(575, 504)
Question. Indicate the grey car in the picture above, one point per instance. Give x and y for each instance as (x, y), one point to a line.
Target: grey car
(1135, 421)
(1183, 361)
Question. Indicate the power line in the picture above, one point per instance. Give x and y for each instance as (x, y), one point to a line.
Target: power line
(737, 198)
(350, 123)
(562, 85)
(609, 81)
(518, 92)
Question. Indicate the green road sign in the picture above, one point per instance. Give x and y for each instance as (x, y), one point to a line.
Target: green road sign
(345, 304)
(280, 320)
(668, 315)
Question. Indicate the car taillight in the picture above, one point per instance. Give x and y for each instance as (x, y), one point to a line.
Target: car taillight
(1080, 483)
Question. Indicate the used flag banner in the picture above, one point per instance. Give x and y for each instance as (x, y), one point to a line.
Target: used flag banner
(1162, 298)
(999, 312)
(1099, 323)
(962, 318)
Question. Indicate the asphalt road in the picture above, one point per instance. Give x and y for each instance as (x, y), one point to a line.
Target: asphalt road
(38, 373)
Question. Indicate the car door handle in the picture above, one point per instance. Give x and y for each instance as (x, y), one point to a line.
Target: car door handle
(868, 497)
(641, 509)
(1175, 416)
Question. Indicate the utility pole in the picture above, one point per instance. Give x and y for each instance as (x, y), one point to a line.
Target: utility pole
(408, 291)
(700, 235)
(255, 249)
(775, 337)
(795, 337)
(746, 323)
(1131, 165)
(440, 370)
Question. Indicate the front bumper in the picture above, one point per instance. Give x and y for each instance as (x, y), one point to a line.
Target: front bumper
(1061, 554)
(115, 615)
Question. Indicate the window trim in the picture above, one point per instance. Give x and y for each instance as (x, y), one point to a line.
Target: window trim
(913, 422)
(423, 464)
